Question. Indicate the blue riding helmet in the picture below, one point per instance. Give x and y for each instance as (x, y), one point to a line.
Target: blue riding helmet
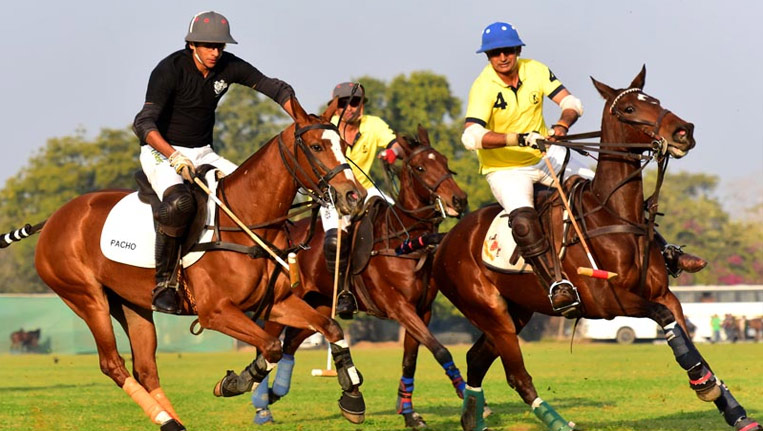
(499, 35)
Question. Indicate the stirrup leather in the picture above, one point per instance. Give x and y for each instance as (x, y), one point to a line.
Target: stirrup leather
(567, 308)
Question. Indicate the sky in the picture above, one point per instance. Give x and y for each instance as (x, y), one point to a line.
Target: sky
(84, 64)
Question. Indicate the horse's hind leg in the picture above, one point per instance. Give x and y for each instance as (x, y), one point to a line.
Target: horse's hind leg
(138, 324)
(94, 310)
(701, 377)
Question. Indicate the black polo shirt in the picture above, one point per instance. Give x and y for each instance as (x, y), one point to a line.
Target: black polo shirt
(187, 100)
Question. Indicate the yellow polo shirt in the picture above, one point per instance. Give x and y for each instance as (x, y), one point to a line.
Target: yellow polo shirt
(502, 109)
(373, 135)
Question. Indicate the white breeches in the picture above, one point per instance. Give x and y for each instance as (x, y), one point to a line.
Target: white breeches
(163, 176)
(513, 187)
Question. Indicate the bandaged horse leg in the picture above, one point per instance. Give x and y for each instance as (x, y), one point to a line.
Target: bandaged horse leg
(151, 406)
(550, 417)
(445, 360)
(472, 408)
(282, 380)
(351, 403)
(261, 403)
(701, 378)
(233, 384)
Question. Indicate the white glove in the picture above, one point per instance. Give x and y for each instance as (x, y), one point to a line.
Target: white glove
(530, 140)
(183, 166)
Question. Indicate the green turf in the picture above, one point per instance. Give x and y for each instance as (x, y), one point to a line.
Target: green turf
(599, 386)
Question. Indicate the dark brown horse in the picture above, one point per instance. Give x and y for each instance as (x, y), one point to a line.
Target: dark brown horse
(611, 211)
(223, 284)
(388, 285)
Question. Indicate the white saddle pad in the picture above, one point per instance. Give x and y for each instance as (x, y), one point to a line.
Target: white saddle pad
(128, 235)
(499, 245)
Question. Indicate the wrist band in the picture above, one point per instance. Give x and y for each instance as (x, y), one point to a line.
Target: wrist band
(560, 123)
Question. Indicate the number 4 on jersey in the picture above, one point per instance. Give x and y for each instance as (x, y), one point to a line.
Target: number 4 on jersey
(499, 102)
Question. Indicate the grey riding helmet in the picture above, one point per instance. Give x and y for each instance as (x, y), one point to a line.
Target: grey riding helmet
(209, 27)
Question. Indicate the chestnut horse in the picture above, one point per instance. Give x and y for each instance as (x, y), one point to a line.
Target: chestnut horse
(223, 284)
(392, 286)
(611, 211)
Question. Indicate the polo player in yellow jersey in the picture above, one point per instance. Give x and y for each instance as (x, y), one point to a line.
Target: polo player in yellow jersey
(366, 135)
(504, 118)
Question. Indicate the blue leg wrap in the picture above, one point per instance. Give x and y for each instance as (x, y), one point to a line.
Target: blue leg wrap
(260, 395)
(405, 396)
(455, 377)
(282, 381)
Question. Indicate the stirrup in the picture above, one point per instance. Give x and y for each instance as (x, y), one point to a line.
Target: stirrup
(567, 309)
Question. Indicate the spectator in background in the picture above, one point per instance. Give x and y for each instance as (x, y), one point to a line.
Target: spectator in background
(715, 324)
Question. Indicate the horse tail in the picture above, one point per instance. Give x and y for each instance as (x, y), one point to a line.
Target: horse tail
(19, 234)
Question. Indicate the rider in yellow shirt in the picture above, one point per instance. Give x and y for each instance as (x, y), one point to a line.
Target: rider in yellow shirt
(504, 118)
(366, 136)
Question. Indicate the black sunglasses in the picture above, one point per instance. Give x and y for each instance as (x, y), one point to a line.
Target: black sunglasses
(354, 102)
(505, 51)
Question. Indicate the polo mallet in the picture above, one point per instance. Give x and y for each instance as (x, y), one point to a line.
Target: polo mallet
(291, 267)
(593, 272)
(328, 372)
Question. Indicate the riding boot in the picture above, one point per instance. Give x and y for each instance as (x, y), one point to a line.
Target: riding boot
(165, 297)
(676, 260)
(346, 304)
(534, 247)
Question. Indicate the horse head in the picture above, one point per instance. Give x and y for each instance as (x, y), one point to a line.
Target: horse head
(318, 163)
(642, 119)
(427, 171)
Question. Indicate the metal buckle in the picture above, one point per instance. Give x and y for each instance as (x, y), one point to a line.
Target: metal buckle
(567, 308)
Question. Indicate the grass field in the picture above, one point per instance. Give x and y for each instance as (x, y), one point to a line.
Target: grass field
(599, 386)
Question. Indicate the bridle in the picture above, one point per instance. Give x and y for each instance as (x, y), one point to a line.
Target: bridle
(435, 201)
(654, 126)
(319, 191)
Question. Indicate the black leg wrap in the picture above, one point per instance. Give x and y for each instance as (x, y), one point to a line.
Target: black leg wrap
(233, 384)
(172, 425)
(349, 377)
(729, 407)
(685, 353)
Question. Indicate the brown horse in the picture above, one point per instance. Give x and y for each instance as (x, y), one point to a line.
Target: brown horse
(388, 285)
(611, 211)
(223, 284)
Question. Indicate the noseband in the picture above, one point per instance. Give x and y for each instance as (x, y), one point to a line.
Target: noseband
(318, 191)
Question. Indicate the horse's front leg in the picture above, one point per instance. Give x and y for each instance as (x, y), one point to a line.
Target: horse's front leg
(294, 312)
(701, 377)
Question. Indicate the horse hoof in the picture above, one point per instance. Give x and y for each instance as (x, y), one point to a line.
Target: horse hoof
(414, 421)
(353, 407)
(172, 425)
(263, 417)
(710, 394)
(487, 411)
(230, 386)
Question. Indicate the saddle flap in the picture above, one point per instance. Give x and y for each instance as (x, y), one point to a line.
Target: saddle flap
(363, 238)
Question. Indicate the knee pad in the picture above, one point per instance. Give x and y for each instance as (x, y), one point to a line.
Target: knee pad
(176, 210)
(329, 249)
(527, 232)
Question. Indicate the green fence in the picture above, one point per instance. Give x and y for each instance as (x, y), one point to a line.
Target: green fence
(62, 331)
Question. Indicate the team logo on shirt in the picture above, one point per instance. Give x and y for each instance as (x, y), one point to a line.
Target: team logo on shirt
(220, 86)
(534, 98)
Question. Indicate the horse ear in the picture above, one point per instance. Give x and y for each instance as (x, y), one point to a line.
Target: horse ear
(423, 136)
(300, 115)
(330, 110)
(605, 90)
(404, 144)
(638, 81)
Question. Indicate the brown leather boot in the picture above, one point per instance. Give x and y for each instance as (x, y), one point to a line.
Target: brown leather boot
(676, 260)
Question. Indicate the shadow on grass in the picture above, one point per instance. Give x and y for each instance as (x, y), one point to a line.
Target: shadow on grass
(4, 389)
